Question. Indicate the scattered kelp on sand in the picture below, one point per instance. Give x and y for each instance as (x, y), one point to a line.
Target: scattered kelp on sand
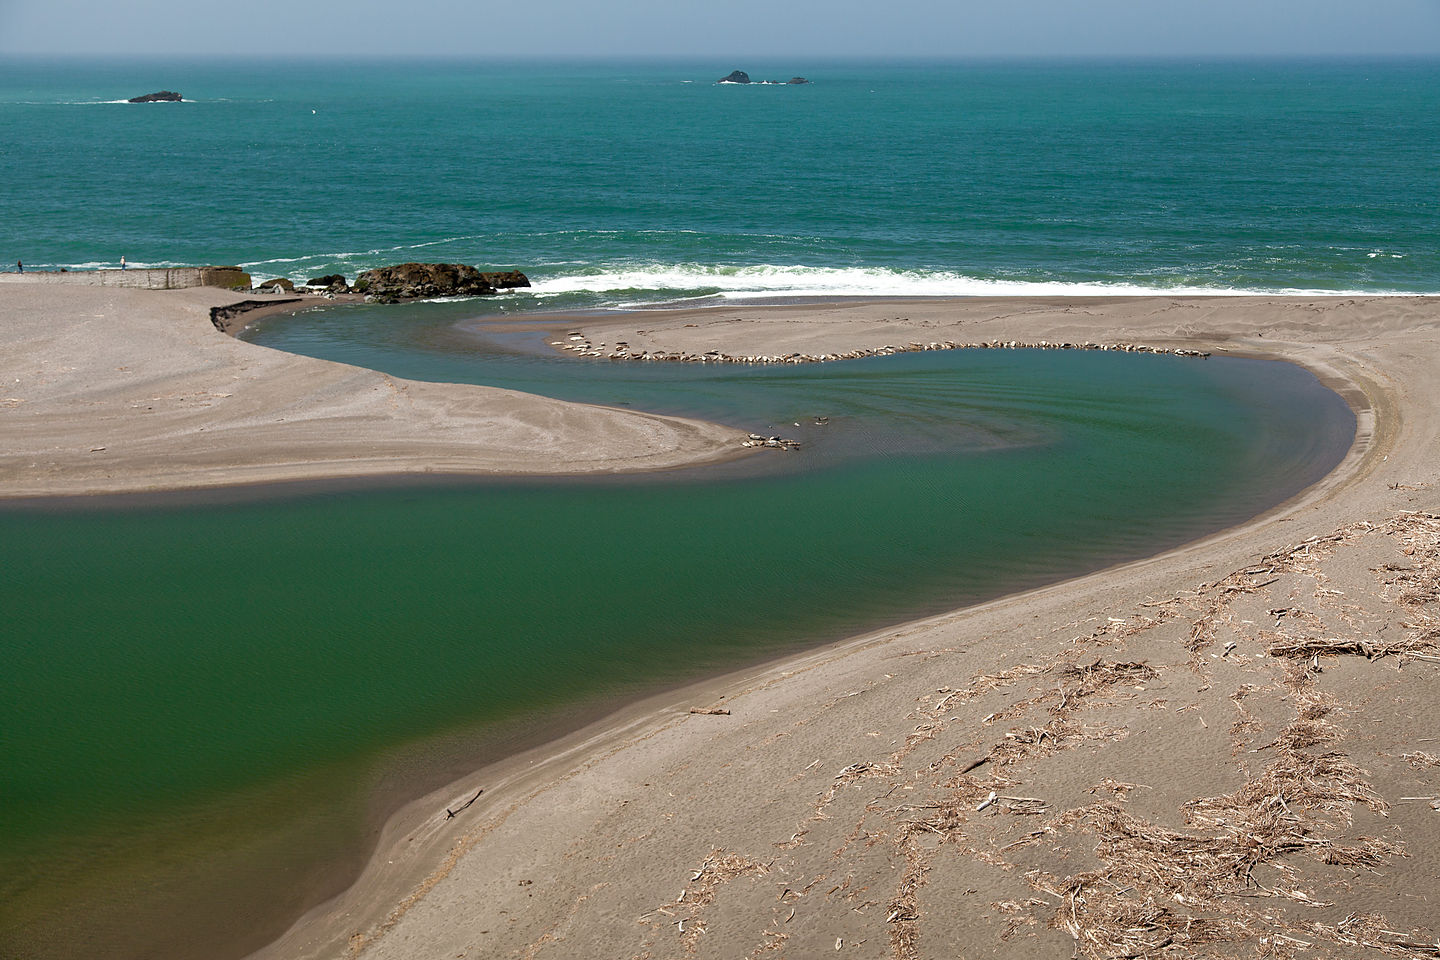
(1274, 865)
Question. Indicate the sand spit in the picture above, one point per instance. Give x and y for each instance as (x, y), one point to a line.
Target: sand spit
(1230, 749)
(113, 390)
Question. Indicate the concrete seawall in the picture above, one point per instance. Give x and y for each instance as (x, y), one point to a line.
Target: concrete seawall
(164, 278)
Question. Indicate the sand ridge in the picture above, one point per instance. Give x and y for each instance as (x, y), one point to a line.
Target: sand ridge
(1228, 748)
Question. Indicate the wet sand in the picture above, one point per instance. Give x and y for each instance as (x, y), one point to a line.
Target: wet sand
(1229, 748)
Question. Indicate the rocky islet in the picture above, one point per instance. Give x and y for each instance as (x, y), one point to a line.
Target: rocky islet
(416, 281)
(740, 76)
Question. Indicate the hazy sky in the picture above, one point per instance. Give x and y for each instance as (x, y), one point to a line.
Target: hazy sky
(728, 29)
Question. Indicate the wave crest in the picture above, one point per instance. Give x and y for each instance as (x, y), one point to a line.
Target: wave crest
(650, 280)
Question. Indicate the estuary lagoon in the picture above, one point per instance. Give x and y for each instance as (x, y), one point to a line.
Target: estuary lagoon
(215, 700)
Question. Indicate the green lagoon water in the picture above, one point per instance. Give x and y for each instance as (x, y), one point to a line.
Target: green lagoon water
(208, 703)
(207, 707)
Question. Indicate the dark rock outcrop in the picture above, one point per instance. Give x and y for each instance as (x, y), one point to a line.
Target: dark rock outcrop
(794, 80)
(333, 283)
(737, 76)
(417, 281)
(506, 279)
(278, 284)
(161, 96)
(226, 318)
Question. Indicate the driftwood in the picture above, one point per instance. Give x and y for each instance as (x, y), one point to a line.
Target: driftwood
(1306, 647)
(711, 711)
(450, 814)
(976, 764)
(780, 443)
(583, 346)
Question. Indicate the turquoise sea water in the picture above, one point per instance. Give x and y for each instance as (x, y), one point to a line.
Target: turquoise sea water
(616, 183)
(204, 707)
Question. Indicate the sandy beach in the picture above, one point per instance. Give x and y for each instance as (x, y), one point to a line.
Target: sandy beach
(1213, 751)
(1229, 749)
(113, 390)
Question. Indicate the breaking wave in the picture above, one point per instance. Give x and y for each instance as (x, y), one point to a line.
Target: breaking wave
(647, 282)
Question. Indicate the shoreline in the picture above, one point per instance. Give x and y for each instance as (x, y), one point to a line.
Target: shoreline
(437, 900)
(119, 390)
(523, 824)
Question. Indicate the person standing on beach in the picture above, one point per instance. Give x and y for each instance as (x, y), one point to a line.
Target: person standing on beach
(122, 261)
(19, 267)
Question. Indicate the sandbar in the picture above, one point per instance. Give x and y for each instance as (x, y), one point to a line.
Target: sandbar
(113, 390)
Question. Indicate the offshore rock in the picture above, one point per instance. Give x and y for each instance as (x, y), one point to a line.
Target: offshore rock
(421, 281)
(506, 279)
(277, 285)
(160, 96)
(332, 282)
(740, 76)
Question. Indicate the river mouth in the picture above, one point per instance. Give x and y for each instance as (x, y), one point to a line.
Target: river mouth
(252, 685)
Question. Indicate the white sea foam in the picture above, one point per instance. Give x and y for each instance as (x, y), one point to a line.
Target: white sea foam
(365, 256)
(131, 264)
(115, 265)
(630, 282)
(638, 283)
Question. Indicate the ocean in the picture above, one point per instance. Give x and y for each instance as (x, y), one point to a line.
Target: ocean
(208, 705)
(612, 184)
